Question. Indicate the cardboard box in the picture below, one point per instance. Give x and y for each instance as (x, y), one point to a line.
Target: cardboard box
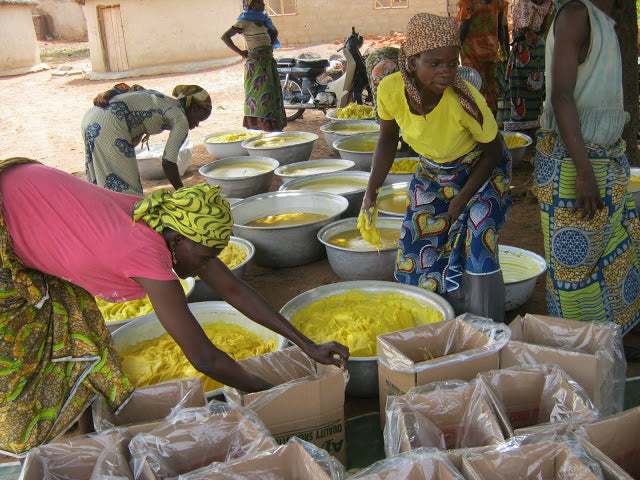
(103, 455)
(195, 439)
(618, 437)
(591, 353)
(539, 461)
(454, 349)
(444, 415)
(415, 465)
(524, 397)
(455, 456)
(307, 400)
(148, 405)
(287, 461)
(610, 469)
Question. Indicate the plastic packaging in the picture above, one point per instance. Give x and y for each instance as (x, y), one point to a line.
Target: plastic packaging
(442, 415)
(191, 438)
(419, 464)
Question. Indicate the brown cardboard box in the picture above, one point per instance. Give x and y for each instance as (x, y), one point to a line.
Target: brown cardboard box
(458, 350)
(539, 461)
(290, 461)
(194, 439)
(103, 455)
(618, 437)
(307, 400)
(443, 415)
(525, 397)
(415, 465)
(610, 469)
(455, 456)
(591, 353)
(148, 405)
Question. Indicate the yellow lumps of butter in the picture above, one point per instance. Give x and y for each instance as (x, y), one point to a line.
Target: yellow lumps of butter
(514, 141)
(286, 219)
(404, 165)
(233, 255)
(161, 359)
(356, 318)
(367, 226)
(352, 239)
(230, 137)
(113, 312)
(353, 110)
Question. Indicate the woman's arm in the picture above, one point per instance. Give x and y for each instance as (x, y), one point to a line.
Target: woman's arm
(383, 157)
(226, 38)
(172, 173)
(248, 301)
(170, 305)
(572, 38)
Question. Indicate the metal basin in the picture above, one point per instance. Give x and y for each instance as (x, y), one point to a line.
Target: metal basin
(349, 184)
(344, 128)
(333, 116)
(363, 371)
(286, 147)
(286, 246)
(521, 269)
(400, 177)
(240, 176)
(358, 148)
(228, 149)
(517, 153)
(202, 292)
(312, 167)
(634, 187)
(363, 264)
(389, 199)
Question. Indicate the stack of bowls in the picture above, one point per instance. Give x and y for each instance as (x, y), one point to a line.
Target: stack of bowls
(286, 147)
(344, 128)
(228, 143)
(358, 148)
(240, 176)
(312, 167)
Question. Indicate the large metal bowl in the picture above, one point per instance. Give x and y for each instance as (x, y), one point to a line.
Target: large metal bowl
(360, 264)
(358, 148)
(333, 116)
(392, 198)
(634, 186)
(344, 128)
(363, 371)
(242, 179)
(228, 149)
(400, 177)
(204, 293)
(517, 153)
(286, 147)
(349, 184)
(520, 269)
(312, 167)
(286, 246)
(149, 327)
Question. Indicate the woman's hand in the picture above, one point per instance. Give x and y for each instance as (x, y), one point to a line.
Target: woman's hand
(244, 54)
(456, 207)
(588, 197)
(330, 353)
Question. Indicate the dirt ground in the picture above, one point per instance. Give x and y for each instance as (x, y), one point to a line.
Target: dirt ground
(41, 114)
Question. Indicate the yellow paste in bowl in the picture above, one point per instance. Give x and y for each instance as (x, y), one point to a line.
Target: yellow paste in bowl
(333, 185)
(404, 165)
(302, 171)
(396, 202)
(516, 268)
(286, 219)
(161, 359)
(353, 110)
(351, 129)
(356, 318)
(354, 241)
(514, 141)
(358, 145)
(230, 137)
(280, 141)
(634, 184)
(233, 255)
(239, 171)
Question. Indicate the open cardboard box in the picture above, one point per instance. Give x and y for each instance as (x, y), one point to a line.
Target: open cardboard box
(618, 437)
(524, 398)
(103, 455)
(149, 405)
(443, 415)
(590, 352)
(307, 400)
(196, 438)
(451, 349)
(415, 465)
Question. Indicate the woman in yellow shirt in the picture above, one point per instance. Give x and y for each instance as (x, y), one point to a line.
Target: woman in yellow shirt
(459, 196)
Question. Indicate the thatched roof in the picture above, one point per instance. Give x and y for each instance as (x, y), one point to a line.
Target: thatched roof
(19, 2)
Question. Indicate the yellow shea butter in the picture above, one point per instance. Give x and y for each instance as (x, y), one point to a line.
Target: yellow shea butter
(233, 255)
(634, 184)
(334, 185)
(514, 141)
(395, 203)
(161, 359)
(404, 165)
(353, 239)
(286, 220)
(230, 137)
(353, 110)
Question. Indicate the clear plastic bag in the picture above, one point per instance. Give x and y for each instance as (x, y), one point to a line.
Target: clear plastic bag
(417, 464)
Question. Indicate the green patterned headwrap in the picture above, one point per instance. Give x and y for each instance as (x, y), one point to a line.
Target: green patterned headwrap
(199, 213)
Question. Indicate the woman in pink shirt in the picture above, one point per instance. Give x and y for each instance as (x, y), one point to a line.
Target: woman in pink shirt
(64, 241)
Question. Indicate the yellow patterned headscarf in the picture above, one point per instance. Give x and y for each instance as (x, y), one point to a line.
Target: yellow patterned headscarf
(193, 94)
(199, 213)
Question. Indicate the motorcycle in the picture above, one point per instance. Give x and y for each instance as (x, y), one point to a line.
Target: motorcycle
(301, 89)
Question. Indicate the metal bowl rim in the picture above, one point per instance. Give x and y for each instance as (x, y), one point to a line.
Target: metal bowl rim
(509, 133)
(320, 176)
(351, 138)
(312, 163)
(541, 262)
(313, 137)
(248, 245)
(354, 221)
(236, 160)
(226, 132)
(326, 128)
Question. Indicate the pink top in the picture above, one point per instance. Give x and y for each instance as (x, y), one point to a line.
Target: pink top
(72, 229)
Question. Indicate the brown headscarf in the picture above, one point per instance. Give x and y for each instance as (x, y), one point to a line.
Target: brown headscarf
(427, 32)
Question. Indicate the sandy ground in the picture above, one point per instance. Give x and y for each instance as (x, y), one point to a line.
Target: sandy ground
(40, 118)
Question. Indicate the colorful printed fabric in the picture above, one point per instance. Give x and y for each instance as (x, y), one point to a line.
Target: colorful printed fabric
(480, 48)
(432, 252)
(263, 106)
(594, 267)
(525, 90)
(378, 64)
(199, 213)
(56, 352)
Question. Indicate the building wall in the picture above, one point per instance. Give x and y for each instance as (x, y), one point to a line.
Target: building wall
(18, 44)
(319, 21)
(65, 20)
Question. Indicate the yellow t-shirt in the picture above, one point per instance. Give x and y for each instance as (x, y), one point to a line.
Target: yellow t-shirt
(255, 35)
(445, 133)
